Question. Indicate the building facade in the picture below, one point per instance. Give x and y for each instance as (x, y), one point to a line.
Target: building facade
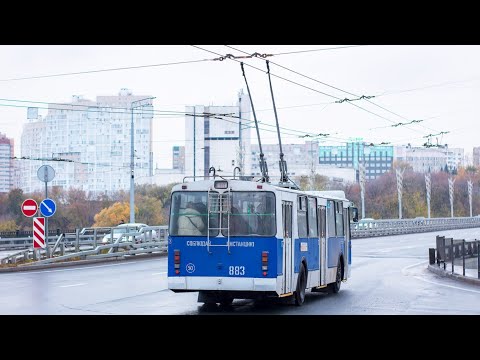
(302, 160)
(218, 137)
(178, 158)
(7, 164)
(432, 159)
(476, 156)
(376, 159)
(88, 143)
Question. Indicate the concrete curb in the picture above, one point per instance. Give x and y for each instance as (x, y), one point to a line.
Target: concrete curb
(79, 263)
(445, 273)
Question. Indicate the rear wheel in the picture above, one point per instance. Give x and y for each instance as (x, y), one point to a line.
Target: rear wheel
(335, 287)
(301, 286)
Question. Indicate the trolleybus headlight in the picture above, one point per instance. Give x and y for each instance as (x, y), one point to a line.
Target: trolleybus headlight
(221, 184)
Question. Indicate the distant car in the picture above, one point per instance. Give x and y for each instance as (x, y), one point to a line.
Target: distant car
(131, 228)
(366, 223)
(420, 220)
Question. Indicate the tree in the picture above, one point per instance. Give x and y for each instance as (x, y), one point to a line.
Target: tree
(112, 215)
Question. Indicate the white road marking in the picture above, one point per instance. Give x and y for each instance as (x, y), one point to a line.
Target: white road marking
(160, 273)
(450, 286)
(65, 286)
(434, 282)
(75, 268)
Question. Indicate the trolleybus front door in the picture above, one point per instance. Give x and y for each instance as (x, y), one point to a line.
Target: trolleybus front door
(287, 246)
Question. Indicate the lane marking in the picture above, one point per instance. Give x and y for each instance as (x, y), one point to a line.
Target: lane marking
(434, 282)
(74, 268)
(450, 286)
(65, 286)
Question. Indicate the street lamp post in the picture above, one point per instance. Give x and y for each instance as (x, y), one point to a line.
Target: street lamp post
(132, 161)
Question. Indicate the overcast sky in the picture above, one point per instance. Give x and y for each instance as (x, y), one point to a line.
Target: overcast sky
(442, 82)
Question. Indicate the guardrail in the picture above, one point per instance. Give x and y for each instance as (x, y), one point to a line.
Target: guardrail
(463, 255)
(371, 228)
(90, 239)
(91, 243)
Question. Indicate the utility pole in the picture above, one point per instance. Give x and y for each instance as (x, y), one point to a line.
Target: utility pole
(361, 168)
(194, 142)
(240, 144)
(470, 193)
(428, 183)
(451, 181)
(399, 190)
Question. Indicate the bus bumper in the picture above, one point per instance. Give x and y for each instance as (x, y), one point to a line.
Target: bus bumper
(197, 283)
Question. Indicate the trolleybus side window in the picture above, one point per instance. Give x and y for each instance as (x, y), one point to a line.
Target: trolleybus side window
(188, 214)
(312, 218)
(339, 217)
(331, 218)
(302, 217)
(323, 225)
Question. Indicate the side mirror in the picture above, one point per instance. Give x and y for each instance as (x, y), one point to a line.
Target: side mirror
(354, 213)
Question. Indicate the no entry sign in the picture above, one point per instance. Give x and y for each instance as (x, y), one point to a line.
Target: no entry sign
(29, 207)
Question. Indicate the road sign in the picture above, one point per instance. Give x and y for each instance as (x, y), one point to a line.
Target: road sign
(45, 173)
(39, 232)
(48, 207)
(29, 207)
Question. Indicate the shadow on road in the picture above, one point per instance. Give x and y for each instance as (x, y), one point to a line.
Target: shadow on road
(274, 306)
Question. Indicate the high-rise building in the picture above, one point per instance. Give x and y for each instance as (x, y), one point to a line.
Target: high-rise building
(218, 137)
(178, 158)
(7, 168)
(376, 159)
(88, 143)
(431, 159)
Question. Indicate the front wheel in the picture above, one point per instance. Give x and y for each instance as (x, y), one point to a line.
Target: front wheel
(301, 286)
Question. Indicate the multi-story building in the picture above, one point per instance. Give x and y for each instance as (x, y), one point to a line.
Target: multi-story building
(476, 156)
(88, 143)
(376, 159)
(7, 168)
(218, 137)
(178, 158)
(431, 159)
(302, 160)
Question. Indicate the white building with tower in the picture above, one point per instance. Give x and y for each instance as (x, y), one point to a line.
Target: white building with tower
(218, 137)
(88, 143)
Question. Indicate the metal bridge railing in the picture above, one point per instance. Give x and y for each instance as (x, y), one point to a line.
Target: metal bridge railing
(371, 228)
(87, 244)
(462, 257)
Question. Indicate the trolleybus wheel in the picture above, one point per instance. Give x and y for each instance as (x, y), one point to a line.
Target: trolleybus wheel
(335, 287)
(301, 286)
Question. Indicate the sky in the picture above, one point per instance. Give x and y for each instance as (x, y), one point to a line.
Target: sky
(434, 88)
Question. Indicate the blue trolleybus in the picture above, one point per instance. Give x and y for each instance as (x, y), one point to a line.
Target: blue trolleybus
(236, 239)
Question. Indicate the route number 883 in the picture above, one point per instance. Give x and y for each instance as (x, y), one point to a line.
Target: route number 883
(236, 270)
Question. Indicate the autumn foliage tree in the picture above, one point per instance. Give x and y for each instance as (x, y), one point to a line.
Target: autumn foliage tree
(113, 215)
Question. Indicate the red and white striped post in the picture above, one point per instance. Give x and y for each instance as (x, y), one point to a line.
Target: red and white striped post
(38, 233)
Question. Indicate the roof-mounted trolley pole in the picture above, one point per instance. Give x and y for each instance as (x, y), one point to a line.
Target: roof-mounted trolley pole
(282, 163)
(263, 163)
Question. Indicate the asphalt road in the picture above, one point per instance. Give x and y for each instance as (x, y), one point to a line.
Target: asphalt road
(389, 276)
